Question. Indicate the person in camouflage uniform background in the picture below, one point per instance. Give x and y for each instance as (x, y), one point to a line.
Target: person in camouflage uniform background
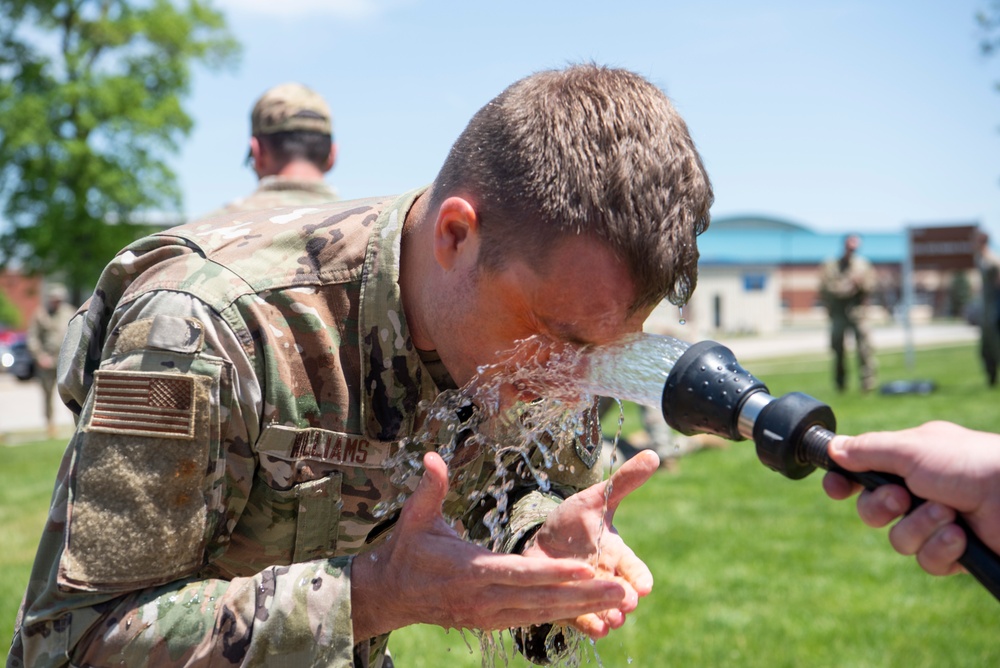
(988, 265)
(291, 148)
(845, 285)
(243, 385)
(45, 336)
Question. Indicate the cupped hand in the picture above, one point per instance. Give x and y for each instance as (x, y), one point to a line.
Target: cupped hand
(427, 573)
(582, 528)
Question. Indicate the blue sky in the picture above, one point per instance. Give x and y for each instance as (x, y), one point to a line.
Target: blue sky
(847, 115)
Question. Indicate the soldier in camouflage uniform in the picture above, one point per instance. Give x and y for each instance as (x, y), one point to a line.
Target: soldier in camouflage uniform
(291, 148)
(45, 336)
(845, 285)
(989, 321)
(241, 386)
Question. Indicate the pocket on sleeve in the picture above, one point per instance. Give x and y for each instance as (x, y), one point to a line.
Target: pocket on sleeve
(141, 479)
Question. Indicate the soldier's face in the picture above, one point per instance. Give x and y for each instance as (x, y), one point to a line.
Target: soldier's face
(581, 296)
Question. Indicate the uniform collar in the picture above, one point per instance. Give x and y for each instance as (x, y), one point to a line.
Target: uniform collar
(276, 183)
(392, 375)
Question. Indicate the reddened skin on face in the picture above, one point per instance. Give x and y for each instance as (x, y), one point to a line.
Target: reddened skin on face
(580, 294)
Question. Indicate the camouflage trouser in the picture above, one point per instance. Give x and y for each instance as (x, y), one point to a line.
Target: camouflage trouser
(47, 378)
(989, 348)
(866, 358)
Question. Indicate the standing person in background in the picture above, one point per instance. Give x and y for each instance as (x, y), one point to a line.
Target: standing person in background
(989, 320)
(291, 148)
(45, 336)
(845, 284)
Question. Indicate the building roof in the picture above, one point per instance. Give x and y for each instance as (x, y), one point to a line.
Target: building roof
(770, 240)
(757, 222)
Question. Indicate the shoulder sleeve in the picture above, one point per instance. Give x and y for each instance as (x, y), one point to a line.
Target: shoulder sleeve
(156, 476)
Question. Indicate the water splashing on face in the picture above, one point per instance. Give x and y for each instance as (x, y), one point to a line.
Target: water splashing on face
(526, 422)
(530, 411)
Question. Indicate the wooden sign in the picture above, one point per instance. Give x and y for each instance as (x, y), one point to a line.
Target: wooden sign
(946, 248)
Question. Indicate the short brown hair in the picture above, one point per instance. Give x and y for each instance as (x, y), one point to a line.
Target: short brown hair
(585, 150)
(286, 147)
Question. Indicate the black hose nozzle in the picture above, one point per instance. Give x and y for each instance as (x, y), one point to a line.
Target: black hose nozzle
(708, 392)
(705, 391)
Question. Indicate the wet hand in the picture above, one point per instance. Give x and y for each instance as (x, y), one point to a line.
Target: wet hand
(581, 528)
(426, 573)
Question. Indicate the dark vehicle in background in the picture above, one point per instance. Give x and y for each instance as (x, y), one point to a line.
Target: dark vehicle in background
(15, 358)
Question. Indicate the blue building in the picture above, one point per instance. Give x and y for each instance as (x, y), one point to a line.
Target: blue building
(758, 274)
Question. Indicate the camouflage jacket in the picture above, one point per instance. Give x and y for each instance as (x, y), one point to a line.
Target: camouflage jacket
(240, 387)
(846, 286)
(47, 330)
(275, 191)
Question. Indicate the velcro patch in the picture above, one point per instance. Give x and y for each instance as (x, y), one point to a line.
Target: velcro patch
(138, 507)
(321, 445)
(159, 404)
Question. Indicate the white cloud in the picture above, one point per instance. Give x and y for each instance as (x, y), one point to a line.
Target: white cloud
(347, 9)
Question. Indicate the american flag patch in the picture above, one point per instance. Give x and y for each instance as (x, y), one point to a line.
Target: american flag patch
(144, 404)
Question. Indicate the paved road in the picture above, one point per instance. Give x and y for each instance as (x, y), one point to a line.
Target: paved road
(816, 341)
(21, 408)
(21, 416)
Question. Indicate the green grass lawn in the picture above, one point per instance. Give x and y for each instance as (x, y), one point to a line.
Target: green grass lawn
(27, 476)
(751, 569)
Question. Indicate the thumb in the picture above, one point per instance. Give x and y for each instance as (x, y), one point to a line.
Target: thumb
(426, 500)
(632, 475)
(874, 451)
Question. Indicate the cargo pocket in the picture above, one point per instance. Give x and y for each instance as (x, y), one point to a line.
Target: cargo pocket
(284, 526)
(319, 506)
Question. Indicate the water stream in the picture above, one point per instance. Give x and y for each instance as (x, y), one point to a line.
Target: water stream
(526, 421)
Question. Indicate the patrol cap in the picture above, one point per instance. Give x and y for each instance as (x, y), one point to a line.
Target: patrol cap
(290, 107)
(56, 291)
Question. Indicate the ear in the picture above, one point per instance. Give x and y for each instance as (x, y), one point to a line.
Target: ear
(257, 154)
(331, 159)
(456, 234)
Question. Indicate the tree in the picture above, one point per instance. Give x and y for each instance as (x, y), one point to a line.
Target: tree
(959, 294)
(90, 106)
(9, 315)
(988, 20)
